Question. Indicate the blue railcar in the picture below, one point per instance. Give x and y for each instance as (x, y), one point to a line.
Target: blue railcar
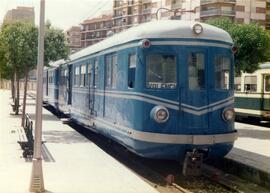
(65, 88)
(45, 85)
(161, 89)
(53, 87)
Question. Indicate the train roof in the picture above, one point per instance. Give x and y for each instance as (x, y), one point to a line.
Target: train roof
(265, 65)
(156, 29)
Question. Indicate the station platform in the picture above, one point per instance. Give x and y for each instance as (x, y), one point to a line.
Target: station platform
(72, 163)
(250, 157)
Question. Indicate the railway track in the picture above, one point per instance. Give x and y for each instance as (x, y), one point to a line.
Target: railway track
(164, 175)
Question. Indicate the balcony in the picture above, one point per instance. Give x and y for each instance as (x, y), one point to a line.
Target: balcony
(205, 2)
(146, 1)
(177, 6)
(214, 12)
(146, 11)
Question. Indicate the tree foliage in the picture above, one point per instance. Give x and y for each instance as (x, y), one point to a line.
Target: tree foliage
(19, 51)
(252, 42)
(19, 47)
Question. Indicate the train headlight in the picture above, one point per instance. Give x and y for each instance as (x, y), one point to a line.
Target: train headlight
(145, 43)
(160, 114)
(228, 114)
(197, 28)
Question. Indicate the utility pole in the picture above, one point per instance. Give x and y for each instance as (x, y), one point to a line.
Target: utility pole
(37, 183)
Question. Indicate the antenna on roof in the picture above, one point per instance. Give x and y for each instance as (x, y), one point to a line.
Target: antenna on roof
(110, 33)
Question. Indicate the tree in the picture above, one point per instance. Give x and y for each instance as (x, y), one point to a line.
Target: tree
(252, 42)
(19, 44)
(12, 47)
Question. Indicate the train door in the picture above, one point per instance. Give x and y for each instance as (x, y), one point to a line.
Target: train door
(92, 81)
(266, 94)
(194, 95)
(69, 85)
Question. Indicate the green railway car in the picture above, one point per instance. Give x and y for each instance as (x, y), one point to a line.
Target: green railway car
(252, 94)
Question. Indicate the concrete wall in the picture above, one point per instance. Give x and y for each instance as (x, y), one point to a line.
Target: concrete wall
(6, 84)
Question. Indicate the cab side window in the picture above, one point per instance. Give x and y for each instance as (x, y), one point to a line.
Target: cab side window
(132, 60)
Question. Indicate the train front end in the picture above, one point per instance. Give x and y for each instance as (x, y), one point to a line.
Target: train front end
(187, 86)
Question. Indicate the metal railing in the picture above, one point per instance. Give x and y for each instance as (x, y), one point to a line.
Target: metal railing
(218, 12)
(203, 2)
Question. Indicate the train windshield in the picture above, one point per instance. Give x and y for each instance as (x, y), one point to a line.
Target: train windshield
(161, 71)
(222, 72)
(196, 71)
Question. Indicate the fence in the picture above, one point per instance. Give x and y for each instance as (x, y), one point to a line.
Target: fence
(6, 84)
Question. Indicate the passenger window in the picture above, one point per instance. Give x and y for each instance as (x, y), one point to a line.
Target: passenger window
(196, 71)
(237, 83)
(77, 76)
(111, 70)
(222, 72)
(161, 71)
(267, 83)
(83, 75)
(66, 78)
(96, 74)
(132, 60)
(89, 75)
(250, 83)
(114, 70)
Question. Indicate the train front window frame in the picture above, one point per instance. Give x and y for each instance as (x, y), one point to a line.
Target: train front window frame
(250, 83)
(161, 71)
(196, 71)
(222, 68)
(132, 64)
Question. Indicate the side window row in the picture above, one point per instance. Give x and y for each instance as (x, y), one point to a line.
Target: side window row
(250, 83)
(111, 69)
(83, 75)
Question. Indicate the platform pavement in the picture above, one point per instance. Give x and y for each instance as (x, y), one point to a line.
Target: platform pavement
(72, 163)
(250, 157)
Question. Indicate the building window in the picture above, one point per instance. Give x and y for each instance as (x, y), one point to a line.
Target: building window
(260, 10)
(237, 83)
(222, 72)
(77, 76)
(250, 83)
(240, 8)
(196, 71)
(111, 70)
(132, 60)
(161, 71)
(267, 83)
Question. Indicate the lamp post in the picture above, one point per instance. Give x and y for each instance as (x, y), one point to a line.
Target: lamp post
(37, 183)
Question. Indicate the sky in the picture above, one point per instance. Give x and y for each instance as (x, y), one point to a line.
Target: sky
(62, 13)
